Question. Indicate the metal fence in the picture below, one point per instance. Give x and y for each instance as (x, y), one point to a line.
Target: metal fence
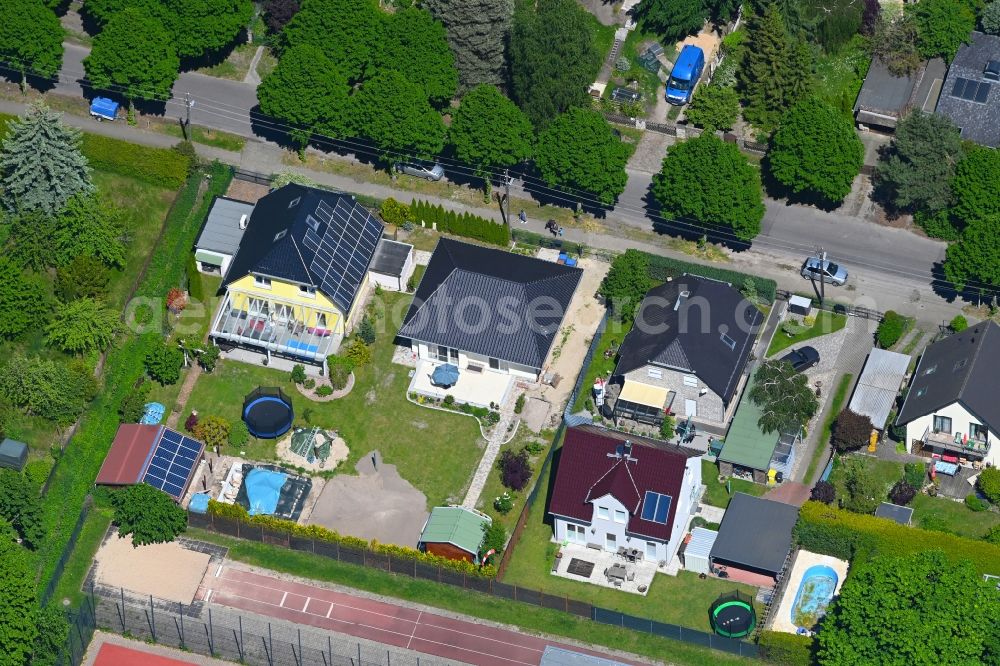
(83, 622)
(839, 308)
(254, 177)
(50, 587)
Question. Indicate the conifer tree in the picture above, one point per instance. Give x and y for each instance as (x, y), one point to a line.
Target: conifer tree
(477, 35)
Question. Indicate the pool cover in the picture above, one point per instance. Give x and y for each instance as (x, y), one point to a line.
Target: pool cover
(263, 490)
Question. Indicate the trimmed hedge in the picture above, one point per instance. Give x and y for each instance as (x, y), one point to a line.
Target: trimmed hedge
(846, 535)
(466, 225)
(320, 533)
(661, 268)
(157, 166)
(777, 647)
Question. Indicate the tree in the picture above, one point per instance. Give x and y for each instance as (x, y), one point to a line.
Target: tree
(21, 507)
(213, 430)
(579, 151)
(990, 19)
(394, 112)
(239, 435)
(890, 329)
(515, 469)
(209, 357)
(19, 610)
(308, 91)
(894, 42)
(133, 405)
(201, 27)
(776, 70)
(824, 491)
(83, 277)
(298, 373)
(42, 387)
(883, 610)
(958, 324)
(916, 171)
(31, 39)
(988, 484)
(92, 226)
(134, 54)
(865, 491)
(975, 186)
(41, 162)
(477, 34)
(366, 330)
(414, 44)
(672, 20)
(902, 493)
(277, 13)
(346, 30)
(711, 182)
(784, 397)
(53, 630)
(358, 353)
(82, 326)
(993, 535)
(494, 537)
(816, 151)
(850, 431)
(626, 284)
(975, 258)
(23, 301)
(148, 514)
(714, 108)
(668, 427)
(488, 130)
(163, 362)
(942, 26)
(553, 58)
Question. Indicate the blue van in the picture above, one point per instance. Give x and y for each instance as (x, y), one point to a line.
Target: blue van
(685, 75)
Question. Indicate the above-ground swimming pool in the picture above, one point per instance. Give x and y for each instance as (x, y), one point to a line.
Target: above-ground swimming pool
(815, 592)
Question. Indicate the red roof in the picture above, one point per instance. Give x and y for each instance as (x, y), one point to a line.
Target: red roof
(129, 454)
(586, 472)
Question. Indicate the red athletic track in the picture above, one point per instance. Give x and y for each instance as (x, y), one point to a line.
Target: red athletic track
(385, 623)
(117, 655)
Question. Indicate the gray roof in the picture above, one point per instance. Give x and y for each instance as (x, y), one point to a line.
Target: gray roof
(557, 656)
(879, 384)
(222, 232)
(963, 367)
(701, 543)
(884, 97)
(755, 534)
(901, 514)
(979, 121)
(390, 257)
(490, 302)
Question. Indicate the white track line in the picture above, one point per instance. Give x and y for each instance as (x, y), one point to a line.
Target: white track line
(416, 625)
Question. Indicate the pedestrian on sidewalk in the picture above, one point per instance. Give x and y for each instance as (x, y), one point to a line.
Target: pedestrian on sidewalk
(523, 217)
(560, 231)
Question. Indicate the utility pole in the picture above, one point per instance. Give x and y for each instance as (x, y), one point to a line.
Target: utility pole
(188, 103)
(821, 253)
(504, 199)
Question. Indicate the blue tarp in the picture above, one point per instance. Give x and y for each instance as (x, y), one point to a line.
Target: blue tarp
(104, 107)
(199, 503)
(263, 489)
(445, 375)
(153, 413)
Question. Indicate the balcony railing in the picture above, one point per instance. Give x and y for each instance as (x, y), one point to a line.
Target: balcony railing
(949, 441)
(290, 337)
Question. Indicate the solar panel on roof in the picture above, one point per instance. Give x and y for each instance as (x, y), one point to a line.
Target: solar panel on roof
(655, 507)
(662, 509)
(173, 460)
(983, 92)
(970, 90)
(956, 90)
(649, 505)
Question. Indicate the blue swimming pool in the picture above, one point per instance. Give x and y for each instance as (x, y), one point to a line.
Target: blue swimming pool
(815, 592)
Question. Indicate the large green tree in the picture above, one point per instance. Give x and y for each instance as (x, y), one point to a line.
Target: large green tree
(416, 45)
(41, 162)
(578, 150)
(976, 185)
(714, 108)
(148, 514)
(816, 151)
(942, 26)
(81, 326)
(308, 91)
(477, 34)
(671, 19)
(553, 58)
(784, 397)
(894, 42)
(394, 112)
(92, 226)
(42, 387)
(23, 300)
(31, 39)
(974, 260)
(915, 172)
(626, 284)
(711, 182)
(20, 505)
(19, 609)
(134, 55)
(488, 130)
(346, 30)
(920, 609)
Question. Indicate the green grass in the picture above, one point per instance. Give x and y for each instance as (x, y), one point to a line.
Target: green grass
(835, 406)
(910, 346)
(838, 77)
(435, 451)
(826, 322)
(649, 83)
(935, 513)
(683, 599)
(235, 66)
(600, 366)
(494, 487)
(457, 600)
(208, 137)
(91, 535)
(716, 493)
(887, 471)
(604, 37)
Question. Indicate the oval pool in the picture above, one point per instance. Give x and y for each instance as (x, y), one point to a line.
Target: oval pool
(815, 592)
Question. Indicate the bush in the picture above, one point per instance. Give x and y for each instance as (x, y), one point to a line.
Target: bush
(324, 391)
(209, 358)
(534, 447)
(777, 647)
(494, 537)
(191, 422)
(850, 431)
(465, 224)
(359, 353)
(792, 327)
(667, 427)
(340, 369)
(974, 503)
(988, 484)
(298, 373)
(162, 167)
(394, 212)
(622, 64)
(915, 474)
(366, 331)
(239, 434)
(519, 404)
(213, 430)
(958, 324)
(515, 470)
(37, 471)
(163, 363)
(504, 503)
(449, 400)
(661, 268)
(133, 406)
(824, 492)
(186, 149)
(890, 329)
(902, 493)
(993, 535)
(309, 383)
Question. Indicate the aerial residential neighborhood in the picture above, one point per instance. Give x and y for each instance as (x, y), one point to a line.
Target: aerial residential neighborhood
(492, 332)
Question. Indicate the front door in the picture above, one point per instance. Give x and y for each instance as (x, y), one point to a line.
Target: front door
(611, 543)
(690, 407)
(576, 533)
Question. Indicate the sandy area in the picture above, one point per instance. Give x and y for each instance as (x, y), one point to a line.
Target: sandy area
(242, 190)
(164, 570)
(782, 619)
(338, 453)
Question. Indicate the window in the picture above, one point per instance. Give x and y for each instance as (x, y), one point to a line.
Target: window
(261, 281)
(977, 432)
(621, 516)
(321, 320)
(654, 373)
(453, 354)
(576, 533)
(495, 363)
(603, 512)
(611, 542)
(650, 550)
(440, 353)
(691, 380)
(307, 290)
(942, 424)
(930, 370)
(294, 202)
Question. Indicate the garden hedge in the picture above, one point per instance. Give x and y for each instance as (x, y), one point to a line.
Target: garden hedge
(320, 533)
(661, 268)
(157, 166)
(831, 531)
(466, 225)
(778, 647)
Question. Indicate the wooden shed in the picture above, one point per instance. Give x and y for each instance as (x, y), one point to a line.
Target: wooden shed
(454, 532)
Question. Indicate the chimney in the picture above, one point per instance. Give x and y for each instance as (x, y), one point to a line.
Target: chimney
(627, 449)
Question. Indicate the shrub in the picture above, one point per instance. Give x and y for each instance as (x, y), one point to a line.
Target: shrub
(394, 212)
(534, 447)
(191, 422)
(504, 503)
(340, 369)
(309, 383)
(777, 647)
(824, 492)
(850, 431)
(176, 300)
(993, 535)
(213, 430)
(298, 373)
(366, 331)
(958, 324)
(157, 166)
(902, 493)
(519, 404)
(133, 405)
(494, 537)
(890, 329)
(37, 471)
(359, 353)
(974, 503)
(515, 470)
(186, 149)
(465, 224)
(209, 358)
(792, 327)
(988, 484)
(449, 400)
(915, 474)
(667, 427)
(163, 363)
(324, 391)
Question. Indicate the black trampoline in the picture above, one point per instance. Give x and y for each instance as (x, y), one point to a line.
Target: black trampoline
(268, 412)
(732, 615)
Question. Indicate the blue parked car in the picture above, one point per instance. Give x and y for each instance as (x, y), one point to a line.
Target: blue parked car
(103, 108)
(685, 74)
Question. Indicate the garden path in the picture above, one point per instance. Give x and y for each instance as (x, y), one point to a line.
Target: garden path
(190, 379)
(496, 440)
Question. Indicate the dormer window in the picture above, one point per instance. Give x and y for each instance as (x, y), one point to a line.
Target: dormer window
(281, 234)
(992, 71)
(262, 282)
(294, 202)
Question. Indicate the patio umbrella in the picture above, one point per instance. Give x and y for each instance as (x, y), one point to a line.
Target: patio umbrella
(445, 375)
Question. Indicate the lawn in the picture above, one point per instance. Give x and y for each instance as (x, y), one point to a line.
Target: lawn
(838, 77)
(235, 66)
(835, 406)
(683, 599)
(941, 513)
(717, 494)
(494, 487)
(826, 322)
(600, 366)
(456, 600)
(78, 566)
(208, 137)
(435, 451)
(887, 471)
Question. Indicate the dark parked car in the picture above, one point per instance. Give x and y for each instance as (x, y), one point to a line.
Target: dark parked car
(802, 358)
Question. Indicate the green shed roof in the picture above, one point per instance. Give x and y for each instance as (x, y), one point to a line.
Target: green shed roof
(455, 525)
(745, 444)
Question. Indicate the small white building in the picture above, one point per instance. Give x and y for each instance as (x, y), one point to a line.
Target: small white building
(220, 237)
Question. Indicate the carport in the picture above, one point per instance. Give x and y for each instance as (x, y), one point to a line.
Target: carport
(878, 386)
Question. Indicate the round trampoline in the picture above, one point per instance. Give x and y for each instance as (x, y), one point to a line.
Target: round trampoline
(732, 615)
(268, 412)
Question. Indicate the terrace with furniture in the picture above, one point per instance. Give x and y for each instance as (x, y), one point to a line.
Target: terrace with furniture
(626, 569)
(957, 447)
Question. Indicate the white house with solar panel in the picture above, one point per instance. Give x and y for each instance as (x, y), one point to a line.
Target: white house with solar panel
(302, 272)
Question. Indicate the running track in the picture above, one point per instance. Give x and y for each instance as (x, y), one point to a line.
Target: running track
(119, 655)
(373, 620)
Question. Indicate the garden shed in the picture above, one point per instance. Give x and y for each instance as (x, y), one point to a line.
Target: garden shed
(698, 550)
(13, 454)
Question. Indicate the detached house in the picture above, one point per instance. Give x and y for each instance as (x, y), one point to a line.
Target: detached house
(615, 492)
(951, 409)
(686, 352)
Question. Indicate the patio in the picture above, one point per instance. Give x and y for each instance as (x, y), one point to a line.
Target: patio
(474, 388)
(580, 563)
(959, 485)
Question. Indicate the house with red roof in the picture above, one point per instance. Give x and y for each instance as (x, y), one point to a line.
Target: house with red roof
(614, 490)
